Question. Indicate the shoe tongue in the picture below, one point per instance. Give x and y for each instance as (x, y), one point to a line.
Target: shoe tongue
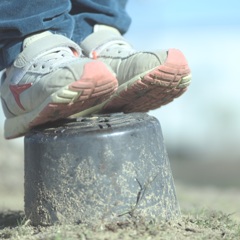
(29, 40)
(102, 37)
(99, 27)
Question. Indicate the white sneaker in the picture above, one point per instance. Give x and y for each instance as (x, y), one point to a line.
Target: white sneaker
(147, 80)
(49, 80)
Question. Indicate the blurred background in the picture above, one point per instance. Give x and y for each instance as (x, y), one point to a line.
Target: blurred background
(202, 128)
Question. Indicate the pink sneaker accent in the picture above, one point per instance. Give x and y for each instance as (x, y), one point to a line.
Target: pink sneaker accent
(17, 90)
(92, 90)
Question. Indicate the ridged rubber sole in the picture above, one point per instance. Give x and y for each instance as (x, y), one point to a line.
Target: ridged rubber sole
(95, 86)
(152, 89)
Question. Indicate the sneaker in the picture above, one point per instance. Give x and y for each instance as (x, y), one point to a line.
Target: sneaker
(50, 80)
(147, 80)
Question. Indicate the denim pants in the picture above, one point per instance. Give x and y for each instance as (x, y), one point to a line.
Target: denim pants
(74, 19)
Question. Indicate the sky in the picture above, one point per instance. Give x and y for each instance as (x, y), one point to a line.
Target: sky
(207, 116)
(185, 12)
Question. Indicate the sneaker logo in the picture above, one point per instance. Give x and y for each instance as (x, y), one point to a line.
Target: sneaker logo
(17, 90)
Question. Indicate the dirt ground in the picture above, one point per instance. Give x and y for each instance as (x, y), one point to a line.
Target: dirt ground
(209, 196)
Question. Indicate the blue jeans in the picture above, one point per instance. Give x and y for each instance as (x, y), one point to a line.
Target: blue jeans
(74, 19)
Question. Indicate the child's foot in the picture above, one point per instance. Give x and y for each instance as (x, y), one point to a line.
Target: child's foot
(50, 80)
(147, 80)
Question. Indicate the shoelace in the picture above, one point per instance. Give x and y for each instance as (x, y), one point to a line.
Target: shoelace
(55, 57)
(122, 45)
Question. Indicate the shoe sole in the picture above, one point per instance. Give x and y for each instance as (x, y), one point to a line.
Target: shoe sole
(95, 86)
(152, 89)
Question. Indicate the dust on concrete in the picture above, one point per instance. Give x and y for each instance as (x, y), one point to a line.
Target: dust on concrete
(78, 178)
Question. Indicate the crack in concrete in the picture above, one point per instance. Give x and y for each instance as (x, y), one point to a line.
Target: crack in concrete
(140, 195)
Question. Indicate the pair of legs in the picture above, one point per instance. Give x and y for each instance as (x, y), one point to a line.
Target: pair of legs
(74, 19)
(64, 58)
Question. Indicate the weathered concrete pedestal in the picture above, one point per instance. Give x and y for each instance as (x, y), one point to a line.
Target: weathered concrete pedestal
(98, 170)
